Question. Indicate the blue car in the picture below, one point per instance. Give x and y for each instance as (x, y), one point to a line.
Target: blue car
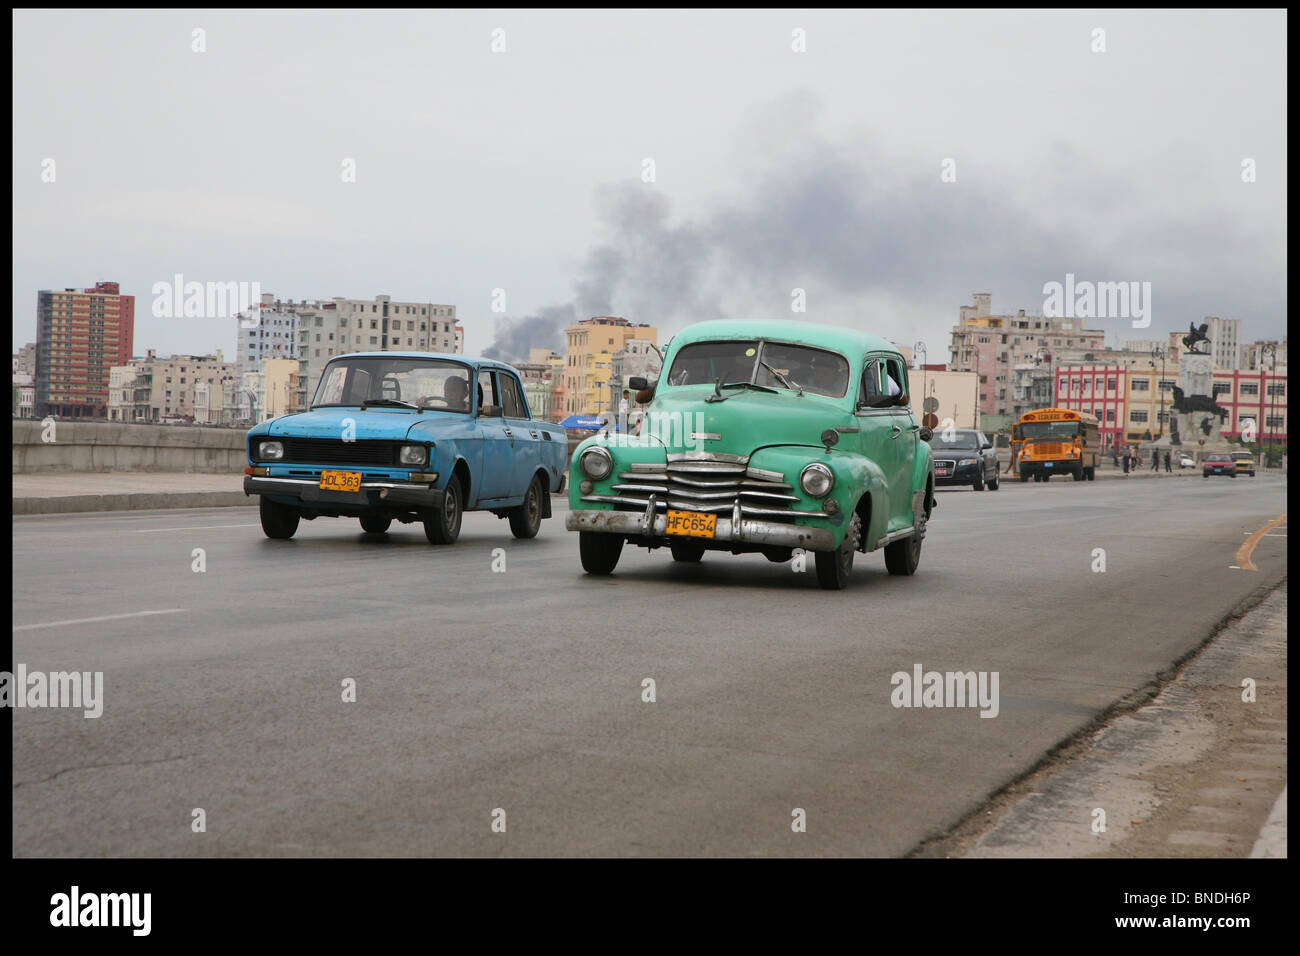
(411, 436)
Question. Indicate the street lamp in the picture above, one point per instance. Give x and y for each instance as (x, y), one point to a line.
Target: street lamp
(1269, 393)
(1159, 353)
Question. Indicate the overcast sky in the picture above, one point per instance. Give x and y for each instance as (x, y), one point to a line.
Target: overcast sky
(774, 170)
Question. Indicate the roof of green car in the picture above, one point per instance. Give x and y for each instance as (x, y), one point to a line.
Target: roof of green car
(836, 337)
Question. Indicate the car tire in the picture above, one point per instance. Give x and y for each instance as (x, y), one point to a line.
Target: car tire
(526, 520)
(992, 483)
(599, 551)
(687, 551)
(375, 524)
(278, 521)
(442, 524)
(1091, 473)
(1077, 474)
(978, 484)
(902, 557)
(835, 567)
(1024, 476)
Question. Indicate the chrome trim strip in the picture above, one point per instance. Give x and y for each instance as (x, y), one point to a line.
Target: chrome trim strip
(679, 505)
(895, 536)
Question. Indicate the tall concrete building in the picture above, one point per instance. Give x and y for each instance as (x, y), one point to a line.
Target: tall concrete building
(1225, 341)
(993, 345)
(344, 325)
(589, 357)
(80, 336)
(25, 360)
(271, 334)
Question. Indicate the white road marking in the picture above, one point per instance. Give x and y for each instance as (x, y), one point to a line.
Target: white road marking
(196, 527)
(106, 617)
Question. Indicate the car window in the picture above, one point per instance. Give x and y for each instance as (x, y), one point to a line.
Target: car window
(871, 383)
(487, 393)
(511, 403)
(895, 377)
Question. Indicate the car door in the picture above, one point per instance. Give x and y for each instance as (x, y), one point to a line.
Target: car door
(904, 433)
(495, 480)
(523, 432)
(879, 441)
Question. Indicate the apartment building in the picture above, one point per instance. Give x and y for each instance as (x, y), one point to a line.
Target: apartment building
(156, 387)
(993, 345)
(589, 356)
(80, 336)
(345, 325)
(270, 334)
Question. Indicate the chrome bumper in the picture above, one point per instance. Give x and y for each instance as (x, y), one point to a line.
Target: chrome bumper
(743, 531)
(373, 494)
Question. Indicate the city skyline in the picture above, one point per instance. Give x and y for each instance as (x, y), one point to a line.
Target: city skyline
(816, 169)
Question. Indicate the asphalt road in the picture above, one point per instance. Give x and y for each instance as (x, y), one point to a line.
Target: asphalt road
(522, 689)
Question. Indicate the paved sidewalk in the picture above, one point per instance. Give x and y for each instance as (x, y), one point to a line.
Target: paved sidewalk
(1195, 772)
(125, 491)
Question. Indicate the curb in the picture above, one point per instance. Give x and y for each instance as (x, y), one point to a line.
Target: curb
(139, 501)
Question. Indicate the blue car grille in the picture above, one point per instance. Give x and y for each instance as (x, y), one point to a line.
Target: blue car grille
(334, 451)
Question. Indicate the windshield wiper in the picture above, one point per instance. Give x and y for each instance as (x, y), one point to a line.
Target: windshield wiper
(782, 378)
(387, 403)
(753, 385)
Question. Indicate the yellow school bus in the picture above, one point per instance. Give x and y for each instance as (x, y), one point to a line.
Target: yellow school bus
(1055, 441)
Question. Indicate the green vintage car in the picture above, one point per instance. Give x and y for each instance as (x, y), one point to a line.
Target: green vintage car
(763, 437)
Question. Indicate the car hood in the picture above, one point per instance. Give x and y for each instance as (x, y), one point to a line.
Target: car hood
(747, 421)
(373, 423)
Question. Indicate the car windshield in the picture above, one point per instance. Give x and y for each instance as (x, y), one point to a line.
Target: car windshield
(769, 365)
(437, 384)
(1217, 458)
(956, 441)
(1049, 430)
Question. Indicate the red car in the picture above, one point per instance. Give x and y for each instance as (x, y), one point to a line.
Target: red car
(1218, 465)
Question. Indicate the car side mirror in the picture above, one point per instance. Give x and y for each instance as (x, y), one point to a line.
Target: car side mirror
(985, 446)
(638, 383)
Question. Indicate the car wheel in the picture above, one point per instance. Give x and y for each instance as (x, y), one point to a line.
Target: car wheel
(978, 484)
(375, 524)
(1077, 474)
(834, 567)
(1091, 473)
(599, 551)
(992, 483)
(687, 551)
(526, 520)
(442, 525)
(1024, 476)
(902, 557)
(278, 521)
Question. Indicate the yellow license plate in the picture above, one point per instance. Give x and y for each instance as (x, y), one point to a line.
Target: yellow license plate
(340, 480)
(691, 523)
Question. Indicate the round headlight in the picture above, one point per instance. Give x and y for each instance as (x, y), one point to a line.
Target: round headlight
(413, 455)
(596, 463)
(816, 480)
(270, 450)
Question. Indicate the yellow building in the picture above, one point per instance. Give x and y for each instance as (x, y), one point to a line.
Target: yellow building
(276, 383)
(589, 351)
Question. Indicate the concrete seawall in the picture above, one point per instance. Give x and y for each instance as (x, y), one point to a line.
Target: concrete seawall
(103, 446)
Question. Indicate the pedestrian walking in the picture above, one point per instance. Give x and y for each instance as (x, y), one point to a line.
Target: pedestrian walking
(1155, 459)
(1128, 457)
(1167, 468)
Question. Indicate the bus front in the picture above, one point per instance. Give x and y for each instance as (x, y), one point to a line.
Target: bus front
(1051, 444)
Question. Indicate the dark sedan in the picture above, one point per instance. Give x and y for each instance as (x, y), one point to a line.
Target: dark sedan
(964, 457)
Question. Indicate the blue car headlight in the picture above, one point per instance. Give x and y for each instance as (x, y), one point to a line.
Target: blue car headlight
(413, 455)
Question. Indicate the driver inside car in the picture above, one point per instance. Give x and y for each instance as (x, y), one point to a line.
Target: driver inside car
(454, 393)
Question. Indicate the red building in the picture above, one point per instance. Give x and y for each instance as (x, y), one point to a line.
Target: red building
(1097, 390)
(80, 336)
